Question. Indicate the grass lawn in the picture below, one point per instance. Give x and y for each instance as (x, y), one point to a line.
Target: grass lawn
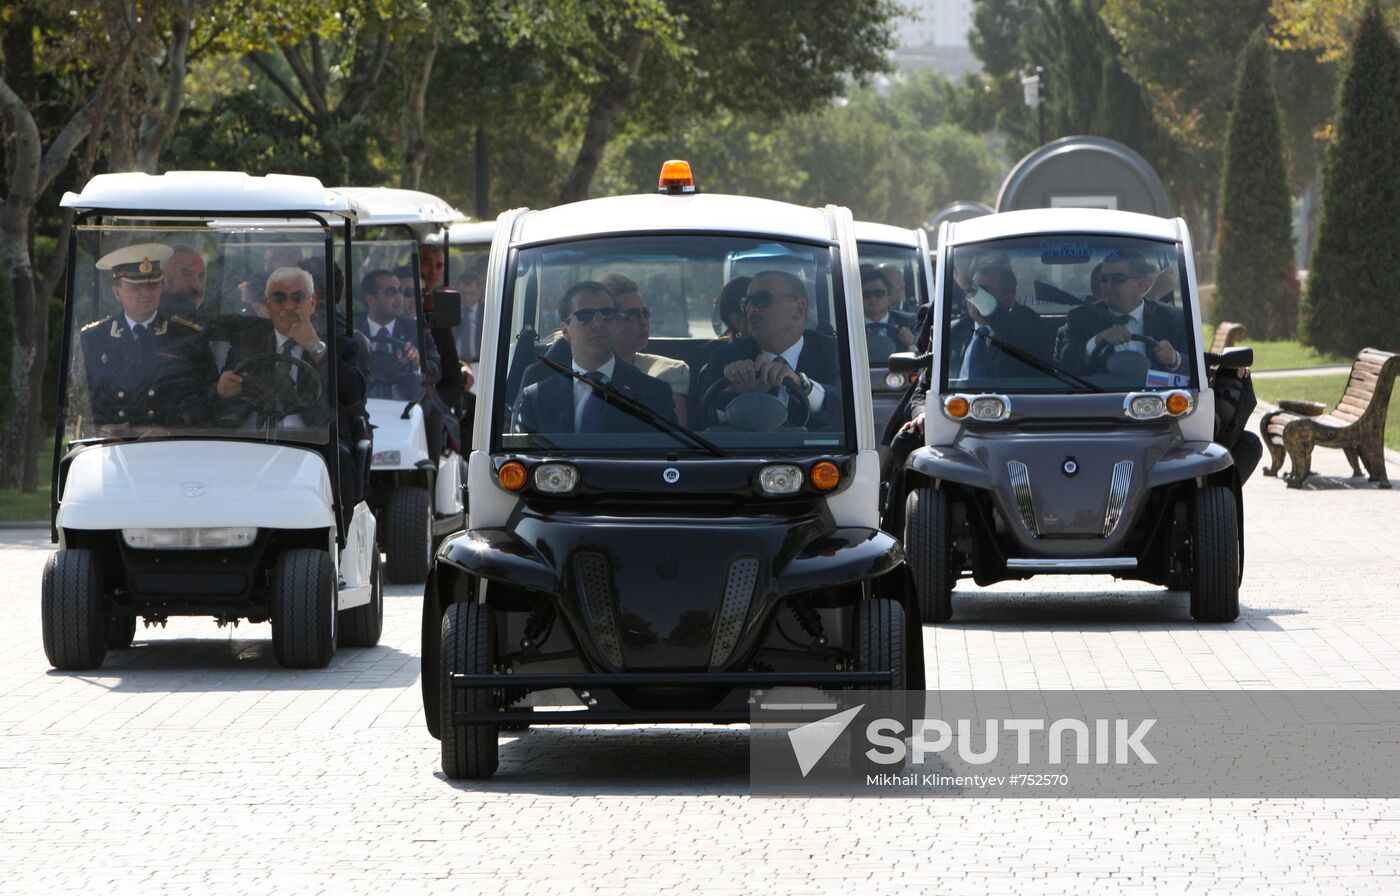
(16, 505)
(1282, 355)
(1326, 389)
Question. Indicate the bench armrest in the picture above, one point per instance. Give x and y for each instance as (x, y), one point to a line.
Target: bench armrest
(1302, 408)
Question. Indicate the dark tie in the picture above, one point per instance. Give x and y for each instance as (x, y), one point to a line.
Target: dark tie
(142, 335)
(382, 341)
(287, 350)
(1126, 320)
(979, 354)
(591, 418)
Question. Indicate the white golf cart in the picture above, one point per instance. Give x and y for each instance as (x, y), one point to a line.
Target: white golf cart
(892, 322)
(416, 500)
(200, 468)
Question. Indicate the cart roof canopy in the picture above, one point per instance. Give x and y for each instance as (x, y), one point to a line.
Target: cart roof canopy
(871, 232)
(209, 191)
(653, 213)
(387, 205)
(466, 233)
(1062, 220)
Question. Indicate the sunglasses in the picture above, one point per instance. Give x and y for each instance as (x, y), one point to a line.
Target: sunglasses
(874, 293)
(586, 315)
(1117, 279)
(763, 299)
(277, 298)
(635, 315)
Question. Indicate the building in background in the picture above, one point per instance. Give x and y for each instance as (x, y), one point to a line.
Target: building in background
(937, 38)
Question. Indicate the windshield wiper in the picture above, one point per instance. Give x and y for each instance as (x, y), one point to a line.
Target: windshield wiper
(625, 403)
(1031, 360)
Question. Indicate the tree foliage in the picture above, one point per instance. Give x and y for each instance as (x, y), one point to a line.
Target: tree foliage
(1256, 278)
(1352, 300)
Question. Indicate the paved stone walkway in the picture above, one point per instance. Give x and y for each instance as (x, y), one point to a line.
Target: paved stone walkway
(192, 763)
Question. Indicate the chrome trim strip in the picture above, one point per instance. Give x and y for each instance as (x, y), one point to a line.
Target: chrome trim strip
(1117, 495)
(1021, 488)
(1086, 564)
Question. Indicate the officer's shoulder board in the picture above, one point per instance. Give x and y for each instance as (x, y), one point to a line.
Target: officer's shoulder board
(186, 322)
(94, 325)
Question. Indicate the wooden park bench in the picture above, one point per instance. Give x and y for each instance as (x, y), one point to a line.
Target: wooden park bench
(1226, 335)
(1356, 425)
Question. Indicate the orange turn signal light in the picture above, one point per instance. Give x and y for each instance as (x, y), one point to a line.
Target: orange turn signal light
(1178, 403)
(511, 476)
(957, 407)
(676, 177)
(825, 476)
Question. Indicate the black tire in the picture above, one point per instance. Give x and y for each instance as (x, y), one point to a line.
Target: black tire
(75, 621)
(1215, 556)
(303, 609)
(120, 631)
(408, 534)
(361, 626)
(928, 549)
(878, 630)
(468, 646)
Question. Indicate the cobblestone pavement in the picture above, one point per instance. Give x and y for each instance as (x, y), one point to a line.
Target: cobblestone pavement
(192, 763)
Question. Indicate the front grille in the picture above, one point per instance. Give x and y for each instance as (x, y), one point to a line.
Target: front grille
(595, 587)
(1021, 488)
(1117, 495)
(738, 595)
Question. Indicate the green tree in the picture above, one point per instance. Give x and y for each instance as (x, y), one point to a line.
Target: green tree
(1256, 277)
(1351, 300)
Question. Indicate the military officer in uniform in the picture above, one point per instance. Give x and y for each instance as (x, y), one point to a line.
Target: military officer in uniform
(146, 369)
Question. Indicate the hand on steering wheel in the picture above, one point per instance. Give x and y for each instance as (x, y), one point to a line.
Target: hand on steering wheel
(272, 392)
(799, 407)
(1101, 351)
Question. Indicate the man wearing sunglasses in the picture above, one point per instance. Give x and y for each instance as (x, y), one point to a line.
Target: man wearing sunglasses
(878, 298)
(780, 347)
(1124, 312)
(559, 404)
(631, 334)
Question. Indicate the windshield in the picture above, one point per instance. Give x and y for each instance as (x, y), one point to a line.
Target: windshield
(637, 313)
(892, 289)
(387, 290)
(198, 331)
(1066, 313)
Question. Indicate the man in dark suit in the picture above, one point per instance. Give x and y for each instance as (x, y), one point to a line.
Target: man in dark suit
(973, 358)
(144, 368)
(291, 302)
(1124, 280)
(878, 299)
(559, 404)
(396, 369)
(778, 348)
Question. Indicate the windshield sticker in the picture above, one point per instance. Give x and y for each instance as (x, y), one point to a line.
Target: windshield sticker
(1161, 379)
(1064, 251)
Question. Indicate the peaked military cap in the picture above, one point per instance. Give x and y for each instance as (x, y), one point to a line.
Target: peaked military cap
(137, 264)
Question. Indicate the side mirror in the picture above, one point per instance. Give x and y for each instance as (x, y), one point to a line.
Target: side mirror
(908, 362)
(1232, 358)
(443, 307)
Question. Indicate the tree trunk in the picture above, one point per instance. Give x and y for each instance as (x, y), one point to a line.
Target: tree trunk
(167, 100)
(612, 100)
(482, 175)
(415, 151)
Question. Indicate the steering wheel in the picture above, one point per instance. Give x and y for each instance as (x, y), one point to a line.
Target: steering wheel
(272, 393)
(1101, 353)
(757, 408)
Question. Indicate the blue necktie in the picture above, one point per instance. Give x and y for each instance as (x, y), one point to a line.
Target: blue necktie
(591, 418)
(979, 355)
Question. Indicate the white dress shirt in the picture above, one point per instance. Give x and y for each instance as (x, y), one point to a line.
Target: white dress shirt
(790, 355)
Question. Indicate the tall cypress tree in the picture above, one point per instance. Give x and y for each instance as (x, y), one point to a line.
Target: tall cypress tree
(1353, 296)
(1256, 278)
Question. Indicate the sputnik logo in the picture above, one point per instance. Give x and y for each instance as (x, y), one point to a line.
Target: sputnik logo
(810, 742)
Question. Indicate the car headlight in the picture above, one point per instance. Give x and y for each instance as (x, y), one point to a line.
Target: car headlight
(386, 459)
(780, 479)
(190, 539)
(1146, 407)
(989, 408)
(895, 380)
(556, 479)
